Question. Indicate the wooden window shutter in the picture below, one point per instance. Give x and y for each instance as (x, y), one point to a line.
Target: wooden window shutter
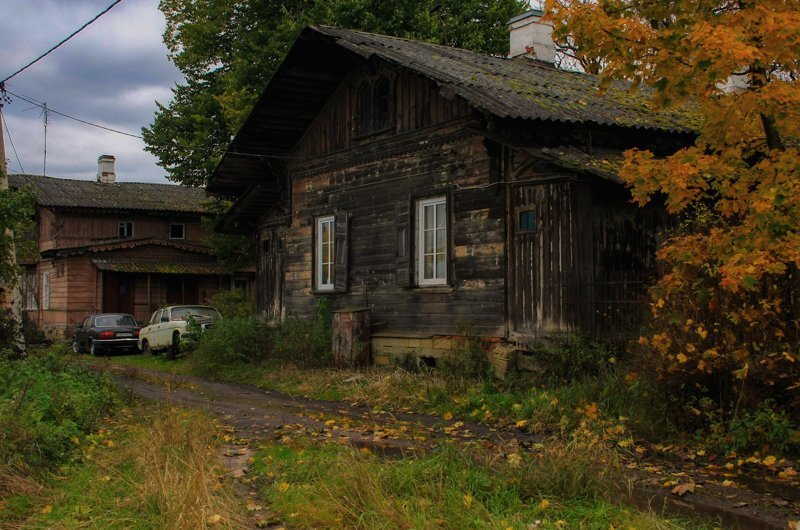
(403, 262)
(341, 252)
(450, 208)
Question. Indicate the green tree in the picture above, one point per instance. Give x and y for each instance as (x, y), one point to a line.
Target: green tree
(229, 50)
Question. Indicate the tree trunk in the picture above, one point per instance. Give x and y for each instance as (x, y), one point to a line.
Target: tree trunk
(11, 296)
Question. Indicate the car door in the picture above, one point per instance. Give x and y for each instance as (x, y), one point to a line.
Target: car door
(162, 332)
(149, 332)
(82, 333)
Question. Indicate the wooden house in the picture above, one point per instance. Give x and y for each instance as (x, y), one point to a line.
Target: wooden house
(116, 247)
(441, 189)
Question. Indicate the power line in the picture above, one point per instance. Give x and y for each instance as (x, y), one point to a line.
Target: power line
(44, 106)
(8, 133)
(45, 54)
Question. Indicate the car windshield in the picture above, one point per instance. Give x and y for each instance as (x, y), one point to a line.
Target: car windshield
(110, 321)
(183, 313)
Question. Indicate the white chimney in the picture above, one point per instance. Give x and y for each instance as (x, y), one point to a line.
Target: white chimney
(531, 37)
(105, 169)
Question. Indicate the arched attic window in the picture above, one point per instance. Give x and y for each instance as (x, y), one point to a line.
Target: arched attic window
(375, 106)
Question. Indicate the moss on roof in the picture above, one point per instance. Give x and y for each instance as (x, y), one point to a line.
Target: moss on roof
(71, 193)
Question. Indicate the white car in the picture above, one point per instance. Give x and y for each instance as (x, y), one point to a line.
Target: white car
(168, 327)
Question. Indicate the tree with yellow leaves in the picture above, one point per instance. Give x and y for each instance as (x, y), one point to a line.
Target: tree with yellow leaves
(727, 306)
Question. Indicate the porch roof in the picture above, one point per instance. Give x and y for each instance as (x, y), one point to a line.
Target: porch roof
(156, 266)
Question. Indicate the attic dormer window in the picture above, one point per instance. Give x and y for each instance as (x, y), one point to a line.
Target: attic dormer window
(375, 106)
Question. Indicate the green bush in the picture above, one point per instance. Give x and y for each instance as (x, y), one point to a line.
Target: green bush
(231, 342)
(47, 405)
(234, 304)
(763, 429)
(572, 359)
(305, 341)
(469, 359)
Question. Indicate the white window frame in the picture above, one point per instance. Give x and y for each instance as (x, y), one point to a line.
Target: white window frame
(433, 202)
(323, 283)
(45, 290)
(183, 230)
(124, 224)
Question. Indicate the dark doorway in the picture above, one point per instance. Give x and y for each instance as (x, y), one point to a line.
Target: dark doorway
(181, 289)
(118, 292)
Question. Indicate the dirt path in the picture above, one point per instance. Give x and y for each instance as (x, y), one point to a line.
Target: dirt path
(259, 414)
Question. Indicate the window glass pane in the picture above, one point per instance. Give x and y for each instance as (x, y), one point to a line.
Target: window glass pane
(429, 234)
(428, 272)
(440, 215)
(440, 266)
(440, 241)
(526, 221)
(429, 212)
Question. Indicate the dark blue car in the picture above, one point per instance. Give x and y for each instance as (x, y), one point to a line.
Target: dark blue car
(105, 333)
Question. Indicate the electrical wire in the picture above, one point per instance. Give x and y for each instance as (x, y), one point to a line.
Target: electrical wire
(48, 52)
(13, 148)
(44, 106)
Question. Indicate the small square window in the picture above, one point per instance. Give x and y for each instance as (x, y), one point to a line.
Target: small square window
(266, 245)
(527, 221)
(125, 229)
(176, 231)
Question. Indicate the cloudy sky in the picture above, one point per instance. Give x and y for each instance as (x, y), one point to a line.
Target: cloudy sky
(111, 73)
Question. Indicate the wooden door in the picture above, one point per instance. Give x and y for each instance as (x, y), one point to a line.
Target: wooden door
(269, 284)
(118, 292)
(545, 260)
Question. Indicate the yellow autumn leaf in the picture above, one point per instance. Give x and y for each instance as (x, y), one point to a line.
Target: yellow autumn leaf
(521, 423)
(330, 422)
(769, 460)
(283, 486)
(468, 501)
(448, 416)
(47, 509)
(681, 358)
(543, 504)
(214, 519)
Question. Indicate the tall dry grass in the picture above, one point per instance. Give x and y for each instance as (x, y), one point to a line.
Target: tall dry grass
(178, 459)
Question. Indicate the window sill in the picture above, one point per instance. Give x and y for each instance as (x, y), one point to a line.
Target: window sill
(433, 289)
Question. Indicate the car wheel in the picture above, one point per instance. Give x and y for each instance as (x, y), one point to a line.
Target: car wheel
(175, 347)
(75, 347)
(146, 349)
(93, 349)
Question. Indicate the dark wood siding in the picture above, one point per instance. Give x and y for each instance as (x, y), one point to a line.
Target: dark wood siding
(418, 104)
(377, 185)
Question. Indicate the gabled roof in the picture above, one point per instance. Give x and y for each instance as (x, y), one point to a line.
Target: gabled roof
(71, 193)
(518, 89)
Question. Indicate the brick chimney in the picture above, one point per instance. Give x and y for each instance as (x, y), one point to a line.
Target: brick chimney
(105, 169)
(532, 38)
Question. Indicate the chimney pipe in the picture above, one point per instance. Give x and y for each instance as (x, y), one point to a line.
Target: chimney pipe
(531, 37)
(105, 169)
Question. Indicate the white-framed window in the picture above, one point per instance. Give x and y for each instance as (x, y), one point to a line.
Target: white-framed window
(45, 290)
(432, 241)
(323, 249)
(176, 231)
(30, 291)
(125, 229)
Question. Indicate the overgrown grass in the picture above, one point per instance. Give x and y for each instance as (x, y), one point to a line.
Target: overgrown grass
(148, 468)
(47, 401)
(338, 487)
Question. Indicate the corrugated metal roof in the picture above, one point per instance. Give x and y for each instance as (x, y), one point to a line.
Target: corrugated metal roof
(71, 193)
(155, 266)
(520, 88)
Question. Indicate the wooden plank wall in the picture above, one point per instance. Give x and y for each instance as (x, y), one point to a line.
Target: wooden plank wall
(369, 184)
(70, 229)
(418, 104)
